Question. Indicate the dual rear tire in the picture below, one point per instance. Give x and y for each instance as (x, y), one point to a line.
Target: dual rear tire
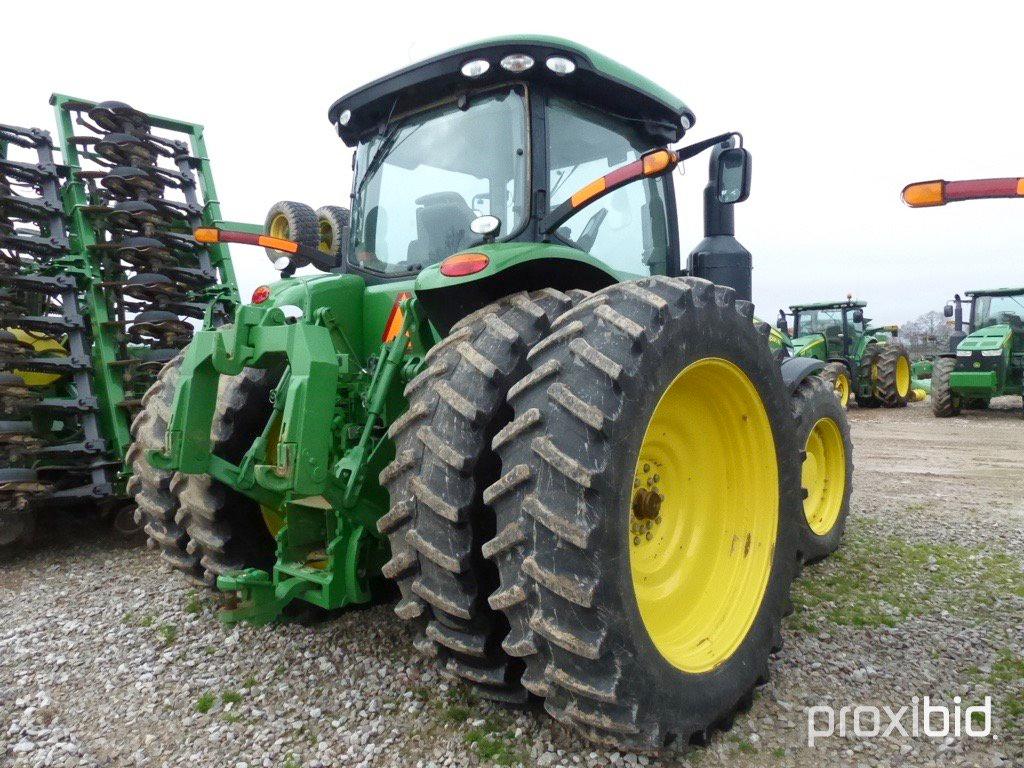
(649, 420)
(654, 423)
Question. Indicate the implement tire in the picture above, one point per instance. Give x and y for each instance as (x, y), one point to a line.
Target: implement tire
(227, 531)
(945, 402)
(893, 382)
(823, 433)
(665, 377)
(443, 460)
(156, 508)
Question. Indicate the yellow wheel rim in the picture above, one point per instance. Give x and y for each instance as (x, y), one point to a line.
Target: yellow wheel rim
(279, 227)
(902, 376)
(823, 475)
(326, 237)
(842, 389)
(704, 515)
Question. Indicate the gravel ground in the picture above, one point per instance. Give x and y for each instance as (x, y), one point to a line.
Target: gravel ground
(107, 659)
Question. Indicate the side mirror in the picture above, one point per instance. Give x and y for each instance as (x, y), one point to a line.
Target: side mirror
(733, 175)
(858, 315)
(947, 310)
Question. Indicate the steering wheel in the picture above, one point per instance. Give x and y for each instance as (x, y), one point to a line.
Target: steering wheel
(588, 237)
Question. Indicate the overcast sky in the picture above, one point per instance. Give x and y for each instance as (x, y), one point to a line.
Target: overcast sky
(841, 105)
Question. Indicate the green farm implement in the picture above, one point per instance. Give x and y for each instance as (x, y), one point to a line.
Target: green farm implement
(510, 393)
(101, 284)
(867, 363)
(986, 355)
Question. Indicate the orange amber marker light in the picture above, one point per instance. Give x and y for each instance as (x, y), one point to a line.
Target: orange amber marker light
(277, 243)
(260, 295)
(462, 264)
(207, 235)
(593, 189)
(656, 162)
(925, 194)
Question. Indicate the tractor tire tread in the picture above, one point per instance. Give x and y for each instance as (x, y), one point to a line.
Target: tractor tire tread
(438, 518)
(551, 586)
(156, 507)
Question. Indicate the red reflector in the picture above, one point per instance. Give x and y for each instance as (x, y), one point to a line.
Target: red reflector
(260, 295)
(462, 264)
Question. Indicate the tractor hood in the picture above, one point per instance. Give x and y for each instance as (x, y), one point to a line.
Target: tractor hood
(990, 337)
(811, 345)
(593, 78)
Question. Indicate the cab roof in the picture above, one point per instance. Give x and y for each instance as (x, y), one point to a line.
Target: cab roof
(597, 80)
(998, 292)
(848, 304)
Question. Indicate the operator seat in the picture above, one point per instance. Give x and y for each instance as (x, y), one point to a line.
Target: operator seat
(442, 227)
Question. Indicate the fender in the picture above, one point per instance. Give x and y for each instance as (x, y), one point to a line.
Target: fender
(796, 369)
(511, 267)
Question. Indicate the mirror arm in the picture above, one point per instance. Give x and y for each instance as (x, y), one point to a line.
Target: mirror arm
(692, 150)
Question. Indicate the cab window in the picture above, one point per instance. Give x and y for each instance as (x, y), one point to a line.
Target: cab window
(627, 229)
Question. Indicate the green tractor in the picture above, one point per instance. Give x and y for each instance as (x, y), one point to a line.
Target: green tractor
(509, 394)
(986, 355)
(869, 363)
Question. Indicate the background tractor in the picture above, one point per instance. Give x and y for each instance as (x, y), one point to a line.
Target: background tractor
(101, 283)
(511, 395)
(869, 363)
(986, 355)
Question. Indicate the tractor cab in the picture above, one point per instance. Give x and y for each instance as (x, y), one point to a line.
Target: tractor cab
(480, 144)
(538, 162)
(828, 330)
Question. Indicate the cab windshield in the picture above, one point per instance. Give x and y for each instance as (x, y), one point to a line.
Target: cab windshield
(422, 181)
(999, 310)
(826, 321)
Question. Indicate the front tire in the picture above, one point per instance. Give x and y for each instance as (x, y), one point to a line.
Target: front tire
(656, 388)
(838, 377)
(823, 433)
(945, 402)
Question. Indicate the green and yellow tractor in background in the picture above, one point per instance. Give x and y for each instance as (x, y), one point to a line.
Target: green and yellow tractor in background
(868, 363)
(986, 354)
(510, 392)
